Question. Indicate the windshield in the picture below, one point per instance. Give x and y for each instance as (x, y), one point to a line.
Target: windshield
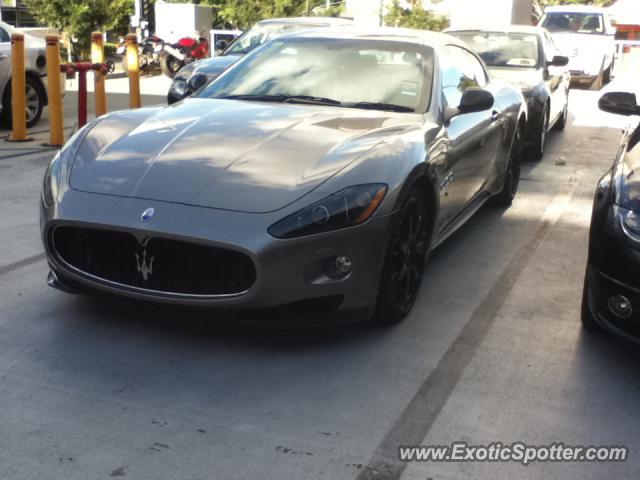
(591, 23)
(501, 49)
(261, 34)
(341, 72)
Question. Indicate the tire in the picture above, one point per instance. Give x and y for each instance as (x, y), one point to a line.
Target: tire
(585, 313)
(170, 65)
(561, 123)
(36, 99)
(606, 76)
(512, 175)
(536, 151)
(598, 83)
(404, 261)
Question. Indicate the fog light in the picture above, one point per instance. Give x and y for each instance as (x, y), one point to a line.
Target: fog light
(343, 264)
(620, 306)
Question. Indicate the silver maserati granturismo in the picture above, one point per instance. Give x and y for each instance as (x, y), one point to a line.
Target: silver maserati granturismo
(314, 176)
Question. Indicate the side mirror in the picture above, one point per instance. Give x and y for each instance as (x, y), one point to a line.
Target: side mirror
(222, 45)
(559, 61)
(474, 99)
(621, 103)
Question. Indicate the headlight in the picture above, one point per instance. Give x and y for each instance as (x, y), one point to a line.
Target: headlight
(58, 167)
(629, 222)
(180, 84)
(349, 207)
(51, 181)
(197, 80)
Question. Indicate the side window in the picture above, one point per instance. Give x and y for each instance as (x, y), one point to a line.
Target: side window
(4, 36)
(549, 47)
(479, 73)
(460, 71)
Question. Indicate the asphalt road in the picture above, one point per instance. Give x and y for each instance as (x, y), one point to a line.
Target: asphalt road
(94, 388)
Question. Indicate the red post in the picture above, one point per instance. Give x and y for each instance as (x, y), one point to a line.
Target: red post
(82, 97)
(82, 68)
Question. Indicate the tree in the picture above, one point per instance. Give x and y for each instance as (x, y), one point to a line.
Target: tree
(244, 13)
(78, 18)
(415, 17)
(599, 3)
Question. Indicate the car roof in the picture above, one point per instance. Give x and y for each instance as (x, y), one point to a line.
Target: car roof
(501, 28)
(575, 9)
(329, 21)
(422, 37)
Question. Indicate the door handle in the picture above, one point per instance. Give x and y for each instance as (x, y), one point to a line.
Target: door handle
(3, 56)
(495, 115)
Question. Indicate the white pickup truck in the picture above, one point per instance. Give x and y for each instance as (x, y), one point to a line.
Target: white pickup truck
(585, 34)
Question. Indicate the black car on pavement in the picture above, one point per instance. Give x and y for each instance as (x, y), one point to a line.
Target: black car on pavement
(527, 57)
(611, 296)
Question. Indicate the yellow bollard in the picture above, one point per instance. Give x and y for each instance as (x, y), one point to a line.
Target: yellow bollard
(18, 90)
(56, 136)
(97, 56)
(133, 67)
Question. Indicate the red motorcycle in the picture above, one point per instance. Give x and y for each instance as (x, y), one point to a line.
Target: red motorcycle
(186, 50)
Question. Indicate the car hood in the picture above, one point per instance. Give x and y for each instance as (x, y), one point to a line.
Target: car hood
(524, 78)
(233, 155)
(216, 65)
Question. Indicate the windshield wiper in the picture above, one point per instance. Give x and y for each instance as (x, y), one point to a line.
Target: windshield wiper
(256, 98)
(311, 100)
(283, 99)
(381, 106)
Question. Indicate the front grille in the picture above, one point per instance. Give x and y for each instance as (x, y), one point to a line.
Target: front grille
(161, 265)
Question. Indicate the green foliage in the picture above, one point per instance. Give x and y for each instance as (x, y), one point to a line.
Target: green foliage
(79, 18)
(598, 3)
(416, 17)
(244, 13)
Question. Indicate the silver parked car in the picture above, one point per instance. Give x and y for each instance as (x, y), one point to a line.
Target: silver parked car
(316, 173)
(36, 69)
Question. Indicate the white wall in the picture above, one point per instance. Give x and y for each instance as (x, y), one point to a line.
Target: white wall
(470, 13)
(177, 20)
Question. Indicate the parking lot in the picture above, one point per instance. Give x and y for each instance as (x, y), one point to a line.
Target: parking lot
(493, 351)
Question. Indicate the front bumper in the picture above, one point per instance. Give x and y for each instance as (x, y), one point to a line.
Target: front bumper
(287, 271)
(600, 288)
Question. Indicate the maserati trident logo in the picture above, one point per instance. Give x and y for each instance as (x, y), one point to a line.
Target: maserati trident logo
(148, 214)
(144, 265)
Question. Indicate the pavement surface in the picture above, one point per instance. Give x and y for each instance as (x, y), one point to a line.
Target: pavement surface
(95, 388)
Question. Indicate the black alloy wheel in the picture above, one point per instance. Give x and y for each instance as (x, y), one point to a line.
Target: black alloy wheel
(561, 123)
(512, 175)
(404, 262)
(536, 151)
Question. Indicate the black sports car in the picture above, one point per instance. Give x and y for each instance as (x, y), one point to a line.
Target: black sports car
(611, 297)
(527, 57)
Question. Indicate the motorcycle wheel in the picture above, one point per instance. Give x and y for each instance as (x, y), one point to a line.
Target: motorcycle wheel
(170, 65)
